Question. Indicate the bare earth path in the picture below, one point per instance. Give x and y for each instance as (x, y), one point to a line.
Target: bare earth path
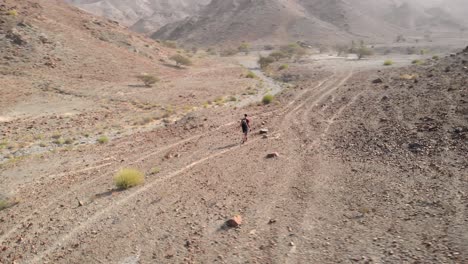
(298, 208)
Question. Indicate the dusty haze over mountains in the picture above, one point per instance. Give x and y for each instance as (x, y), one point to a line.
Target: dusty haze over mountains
(142, 15)
(224, 21)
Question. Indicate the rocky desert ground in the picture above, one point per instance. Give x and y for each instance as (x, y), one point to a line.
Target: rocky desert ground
(351, 162)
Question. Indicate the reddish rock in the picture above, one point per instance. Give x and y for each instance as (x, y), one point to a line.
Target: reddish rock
(272, 155)
(235, 221)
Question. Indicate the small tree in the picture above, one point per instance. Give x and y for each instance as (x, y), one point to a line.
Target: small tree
(290, 49)
(278, 55)
(341, 49)
(265, 61)
(181, 60)
(148, 80)
(244, 47)
(363, 51)
(301, 52)
(170, 44)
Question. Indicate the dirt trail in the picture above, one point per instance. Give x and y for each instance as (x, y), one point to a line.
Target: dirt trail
(298, 208)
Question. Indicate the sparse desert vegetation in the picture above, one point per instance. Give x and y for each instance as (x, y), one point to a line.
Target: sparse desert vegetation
(388, 62)
(180, 60)
(250, 75)
(3, 204)
(128, 178)
(155, 170)
(148, 80)
(267, 99)
(103, 140)
(375, 154)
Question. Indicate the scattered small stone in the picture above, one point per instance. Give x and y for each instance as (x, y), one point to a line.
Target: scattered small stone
(378, 80)
(291, 244)
(272, 221)
(80, 203)
(272, 155)
(234, 221)
(263, 131)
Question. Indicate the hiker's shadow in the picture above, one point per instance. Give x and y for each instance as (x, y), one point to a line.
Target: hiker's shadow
(108, 193)
(228, 146)
(138, 86)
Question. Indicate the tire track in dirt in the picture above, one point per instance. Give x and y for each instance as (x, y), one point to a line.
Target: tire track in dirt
(87, 183)
(148, 186)
(61, 241)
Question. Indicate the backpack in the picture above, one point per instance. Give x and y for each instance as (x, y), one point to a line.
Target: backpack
(244, 123)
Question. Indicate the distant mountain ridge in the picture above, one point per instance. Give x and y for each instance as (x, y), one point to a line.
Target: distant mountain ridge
(212, 22)
(145, 16)
(318, 21)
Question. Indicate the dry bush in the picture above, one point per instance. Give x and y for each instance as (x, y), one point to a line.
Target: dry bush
(278, 55)
(12, 12)
(169, 44)
(128, 178)
(244, 47)
(265, 61)
(364, 51)
(228, 52)
(103, 140)
(267, 99)
(250, 75)
(181, 60)
(388, 63)
(148, 80)
(408, 76)
(4, 204)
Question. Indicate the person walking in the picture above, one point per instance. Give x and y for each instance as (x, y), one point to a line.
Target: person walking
(245, 125)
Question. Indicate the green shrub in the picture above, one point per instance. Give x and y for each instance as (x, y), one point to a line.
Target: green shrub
(3, 144)
(278, 55)
(232, 98)
(417, 62)
(250, 75)
(59, 141)
(68, 141)
(268, 47)
(228, 52)
(283, 67)
(411, 50)
(181, 60)
(4, 204)
(364, 51)
(148, 80)
(103, 140)
(265, 61)
(435, 57)
(128, 178)
(244, 47)
(388, 63)
(12, 12)
(155, 170)
(170, 44)
(267, 99)
(292, 50)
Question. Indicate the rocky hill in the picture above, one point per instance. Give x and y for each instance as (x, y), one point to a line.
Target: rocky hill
(317, 21)
(142, 16)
